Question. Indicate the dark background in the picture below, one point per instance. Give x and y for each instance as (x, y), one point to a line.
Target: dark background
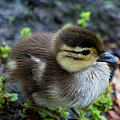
(50, 15)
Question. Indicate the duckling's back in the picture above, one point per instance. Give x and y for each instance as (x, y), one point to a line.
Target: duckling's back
(38, 45)
(24, 58)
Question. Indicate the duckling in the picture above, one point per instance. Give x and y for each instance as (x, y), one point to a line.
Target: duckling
(66, 68)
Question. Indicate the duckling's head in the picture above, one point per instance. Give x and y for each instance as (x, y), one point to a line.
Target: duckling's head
(77, 48)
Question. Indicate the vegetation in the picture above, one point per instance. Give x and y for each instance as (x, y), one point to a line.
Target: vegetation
(5, 96)
(25, 32)
(4, 50)
(101, 105)
(84, 18)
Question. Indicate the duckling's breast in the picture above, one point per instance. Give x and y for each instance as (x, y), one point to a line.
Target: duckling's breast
(85, 86)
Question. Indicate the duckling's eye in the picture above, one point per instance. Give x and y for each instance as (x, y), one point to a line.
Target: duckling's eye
(85, 52)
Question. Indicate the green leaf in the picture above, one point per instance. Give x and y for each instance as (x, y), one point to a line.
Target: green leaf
(7, 48)
(44, 115)
(103, 118)
(4, 50)
(82, 112)
(25, 32)
(2, 101)
(67, 25)
(13, 97)
(82, 22)
(49, 119)
(85, 15)
(0, 105)
(28, 104)
(2, 78)
(65, 114)
(4, 56)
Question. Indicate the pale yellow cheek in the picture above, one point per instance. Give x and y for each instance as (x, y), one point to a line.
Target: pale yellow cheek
(72, 65)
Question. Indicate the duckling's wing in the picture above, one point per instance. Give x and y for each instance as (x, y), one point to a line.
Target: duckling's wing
(27, 61)
(38, 67)
(28, 73)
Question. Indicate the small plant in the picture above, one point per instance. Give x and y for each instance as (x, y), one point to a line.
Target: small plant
(44, 115)
(67, 25)
(95, 114)
(101, 105)
(27, 105)
(4, 51)
(85, 17)
(25, 32)
(63, 112)
(104, 102)
(4, 95)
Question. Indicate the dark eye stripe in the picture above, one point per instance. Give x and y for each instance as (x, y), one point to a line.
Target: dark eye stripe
(72, 51)
(84, 52)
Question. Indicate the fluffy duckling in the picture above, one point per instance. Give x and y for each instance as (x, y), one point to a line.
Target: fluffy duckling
(62, 68)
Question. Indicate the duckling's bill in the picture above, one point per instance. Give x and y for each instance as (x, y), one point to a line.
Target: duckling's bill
(107, 57)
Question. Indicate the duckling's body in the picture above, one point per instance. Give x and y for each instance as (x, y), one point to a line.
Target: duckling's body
(78, 89)
(55, 74)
